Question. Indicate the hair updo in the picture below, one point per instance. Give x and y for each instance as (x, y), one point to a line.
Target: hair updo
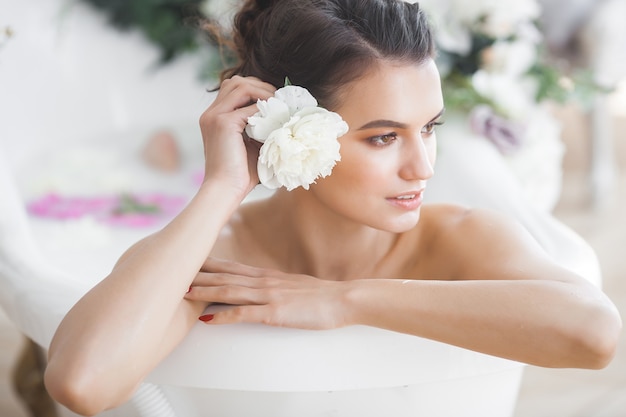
(324, 44)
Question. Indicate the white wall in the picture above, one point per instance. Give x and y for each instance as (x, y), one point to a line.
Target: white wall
(67, 74)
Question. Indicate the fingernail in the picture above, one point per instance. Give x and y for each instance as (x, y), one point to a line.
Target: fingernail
(189, 289)
(206, 318)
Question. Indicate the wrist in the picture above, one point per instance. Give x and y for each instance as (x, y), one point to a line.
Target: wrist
(354, 297)
(368, 302)
(220, 191)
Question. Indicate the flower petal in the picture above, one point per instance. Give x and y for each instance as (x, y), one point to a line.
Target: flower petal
(296, 98)
(272, 114)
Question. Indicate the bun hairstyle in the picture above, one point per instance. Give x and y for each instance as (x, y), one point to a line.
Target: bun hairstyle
(324, 44)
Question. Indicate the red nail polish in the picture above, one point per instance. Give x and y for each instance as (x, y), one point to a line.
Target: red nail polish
(206, 318)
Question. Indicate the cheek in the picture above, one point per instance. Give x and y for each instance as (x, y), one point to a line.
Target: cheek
(358, 172)
(432, 151)
(433, 154)
(350, 177)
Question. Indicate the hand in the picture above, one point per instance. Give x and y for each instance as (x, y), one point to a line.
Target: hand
(270, 297)
(230, 155)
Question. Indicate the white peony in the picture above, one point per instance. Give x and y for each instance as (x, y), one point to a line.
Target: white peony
(277, 111)
(299, 139)
(295, 97)
(272, 115)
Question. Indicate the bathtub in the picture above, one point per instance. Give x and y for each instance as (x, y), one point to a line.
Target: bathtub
(256, 370)
(234, 370)
(357, 371)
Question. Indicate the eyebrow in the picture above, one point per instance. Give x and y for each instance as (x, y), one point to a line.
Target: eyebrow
(394, 124)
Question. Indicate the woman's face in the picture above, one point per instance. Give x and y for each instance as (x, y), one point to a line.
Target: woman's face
(388, 154)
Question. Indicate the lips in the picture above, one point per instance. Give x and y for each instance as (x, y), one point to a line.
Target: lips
(409, 200)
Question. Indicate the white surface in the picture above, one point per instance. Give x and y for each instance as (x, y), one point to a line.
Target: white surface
(67, 75)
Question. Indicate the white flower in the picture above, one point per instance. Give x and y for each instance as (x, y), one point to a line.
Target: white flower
(453, 35)
(496, 18)
(512, 96)
(456, 20)
(299, 139)
(505, 17)
(272, 115)
(513, 58)
(295, 97)
(277, 111)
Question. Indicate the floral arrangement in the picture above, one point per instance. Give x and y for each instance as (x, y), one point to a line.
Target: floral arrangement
(299, 138)
(126, 210)
(491, 52)
(499, 80)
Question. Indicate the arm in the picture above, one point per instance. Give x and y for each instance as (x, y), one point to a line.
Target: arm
(544, 323)
(121, 329)
(505, 298)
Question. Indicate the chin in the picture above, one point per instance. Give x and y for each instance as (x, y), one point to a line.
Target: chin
(402, 224)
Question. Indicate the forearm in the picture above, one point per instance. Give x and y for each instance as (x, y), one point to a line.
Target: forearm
(545, 323)
(125, 325)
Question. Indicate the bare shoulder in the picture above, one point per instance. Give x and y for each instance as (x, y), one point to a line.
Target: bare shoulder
(484, 244)
(461, 225)
(481, 225)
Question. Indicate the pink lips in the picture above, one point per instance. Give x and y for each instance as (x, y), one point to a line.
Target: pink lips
(411, 200)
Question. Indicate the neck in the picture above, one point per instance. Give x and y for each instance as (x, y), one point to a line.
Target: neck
(316, 241)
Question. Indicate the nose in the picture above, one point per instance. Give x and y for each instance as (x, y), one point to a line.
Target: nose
(418, 158)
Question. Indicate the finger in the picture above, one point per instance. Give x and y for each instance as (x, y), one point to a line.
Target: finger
(238, 116)
(240, 314)
(228, 294)
(215, 279)
(242, 94)
(266, 314)
(231, 267)
(230, 84)
(245, 112)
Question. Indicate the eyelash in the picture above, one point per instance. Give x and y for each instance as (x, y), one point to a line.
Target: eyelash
(386, 139)
(383, 140)
(430, 127)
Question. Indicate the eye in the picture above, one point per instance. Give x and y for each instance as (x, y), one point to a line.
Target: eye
(429, 129)
(383, 140)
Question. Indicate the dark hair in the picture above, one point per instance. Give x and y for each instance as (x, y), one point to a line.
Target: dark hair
(324, 44)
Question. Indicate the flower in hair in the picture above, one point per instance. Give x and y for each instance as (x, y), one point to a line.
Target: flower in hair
(299, 139)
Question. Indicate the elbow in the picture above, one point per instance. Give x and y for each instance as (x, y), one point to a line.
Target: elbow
(77, 391)
(598, 340)
(70, 394)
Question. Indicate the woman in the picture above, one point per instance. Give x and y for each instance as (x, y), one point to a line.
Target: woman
(357, 247)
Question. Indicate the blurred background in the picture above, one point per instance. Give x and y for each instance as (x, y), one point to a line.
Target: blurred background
(543, 81)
